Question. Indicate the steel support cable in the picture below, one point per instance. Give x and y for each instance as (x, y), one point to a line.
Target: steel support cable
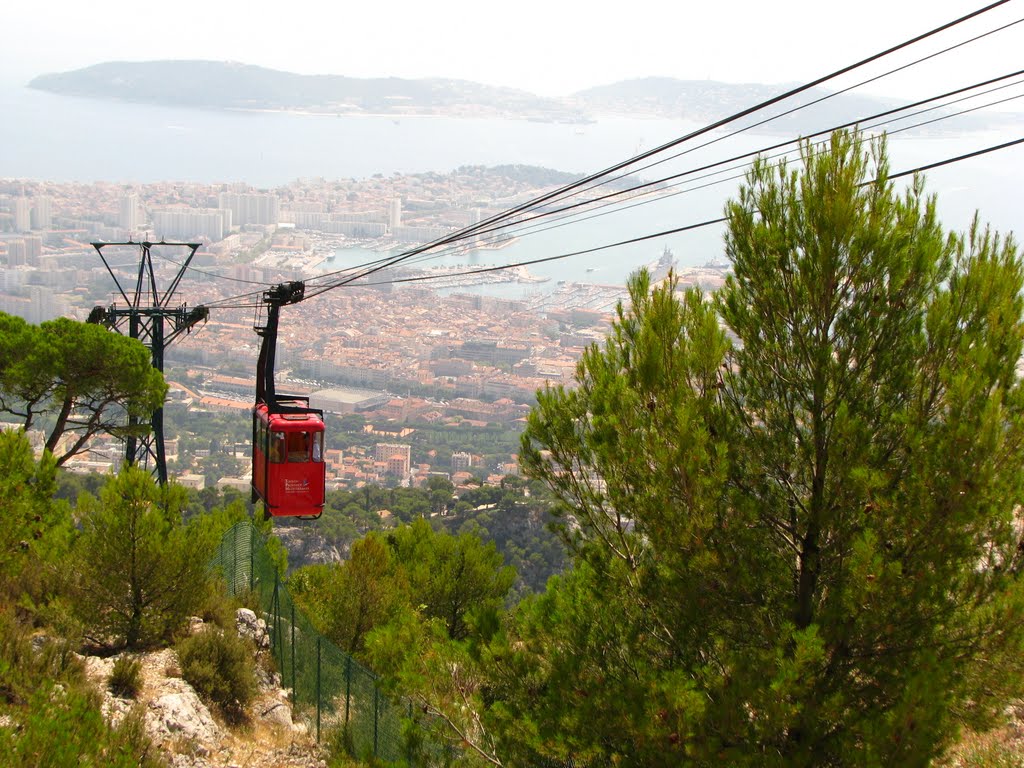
(817, 147)
(576, 218)
(663, 193)
(469, 231)
(216, 275)
(819, 100)
(462, 234)
(788, 142)
(218, 303)
(653, 236)
(223, 303)
(677, 230)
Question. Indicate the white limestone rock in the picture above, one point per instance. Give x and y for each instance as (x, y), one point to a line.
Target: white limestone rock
(252, 627)
(175, 715)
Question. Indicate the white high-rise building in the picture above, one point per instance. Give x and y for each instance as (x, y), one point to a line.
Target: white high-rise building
(43, 305)
(250, 208)
(12, 280)
(395, 457)
(461, 461)
(22, 216)
(130, 218)
(33, 250)
(208, 224)
(395, 213)
(17, 253)
(42, 214)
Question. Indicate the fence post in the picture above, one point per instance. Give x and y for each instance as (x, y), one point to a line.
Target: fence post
(252, 558)
(348, 686)
(408, 740)
(274, 647)
(277, 624)
(293, 652)
(376, 696)
(318, 638)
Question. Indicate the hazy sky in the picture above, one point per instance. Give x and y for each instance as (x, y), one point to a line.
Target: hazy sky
(550, 47)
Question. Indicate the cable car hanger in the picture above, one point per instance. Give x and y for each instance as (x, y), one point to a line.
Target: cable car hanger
(288, 471)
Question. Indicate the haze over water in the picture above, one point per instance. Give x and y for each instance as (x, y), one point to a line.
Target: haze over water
(59, 138)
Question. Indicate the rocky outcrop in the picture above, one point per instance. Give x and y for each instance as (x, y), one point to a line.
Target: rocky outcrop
(181, 715)
(189, 735)
(306, 546)
(252, 627)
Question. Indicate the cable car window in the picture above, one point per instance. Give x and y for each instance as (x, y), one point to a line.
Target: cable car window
(276, 447)
(298, 446)
(318, 446)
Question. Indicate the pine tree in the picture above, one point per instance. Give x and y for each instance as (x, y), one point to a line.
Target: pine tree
(142, 572)
(76, 380)
(796, 539)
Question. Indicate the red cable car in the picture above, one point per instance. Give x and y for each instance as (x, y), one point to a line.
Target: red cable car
(288, 471)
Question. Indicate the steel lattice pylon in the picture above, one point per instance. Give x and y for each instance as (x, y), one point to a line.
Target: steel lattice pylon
(151, 320)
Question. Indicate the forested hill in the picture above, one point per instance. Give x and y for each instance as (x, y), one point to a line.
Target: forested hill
(706, 100)
(230, 85)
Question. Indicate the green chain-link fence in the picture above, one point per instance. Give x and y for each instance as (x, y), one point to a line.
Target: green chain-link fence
(330, 689)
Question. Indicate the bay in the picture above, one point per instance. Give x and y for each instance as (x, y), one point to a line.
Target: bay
(48, 137)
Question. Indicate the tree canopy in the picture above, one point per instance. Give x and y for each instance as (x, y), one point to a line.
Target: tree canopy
(33, 520)
(792, 505)
(74, 379)
(140, 571)
(412, 567)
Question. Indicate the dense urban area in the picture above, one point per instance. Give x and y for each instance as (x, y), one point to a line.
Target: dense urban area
(417, 380)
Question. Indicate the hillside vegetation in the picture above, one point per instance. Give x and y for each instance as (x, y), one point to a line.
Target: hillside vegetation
(790, 511)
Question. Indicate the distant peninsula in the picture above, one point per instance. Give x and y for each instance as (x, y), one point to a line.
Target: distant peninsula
(234, 86)
(229, 85)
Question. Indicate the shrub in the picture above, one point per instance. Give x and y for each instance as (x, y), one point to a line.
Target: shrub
(221, 668)
(25, 663)
(60, 727)
(126, 678)
(218, 607)
(55, 714)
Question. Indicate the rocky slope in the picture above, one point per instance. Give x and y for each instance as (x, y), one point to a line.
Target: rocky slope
(185, 731)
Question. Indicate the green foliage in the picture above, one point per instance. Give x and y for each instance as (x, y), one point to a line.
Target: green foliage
(80, 378)
(70, 485)
(417, 658)
(35, 527)
(412, 567)
(23, 668)
(218, 607)
(206, 528)
(126, 677)
(514, 517)
(142, 571)
(416, 603)
(346, 601)
(55, 714)
(450, 576)
(275, 547)
(801, 549)
(221, 667)
(60, 728)
(519, 523)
